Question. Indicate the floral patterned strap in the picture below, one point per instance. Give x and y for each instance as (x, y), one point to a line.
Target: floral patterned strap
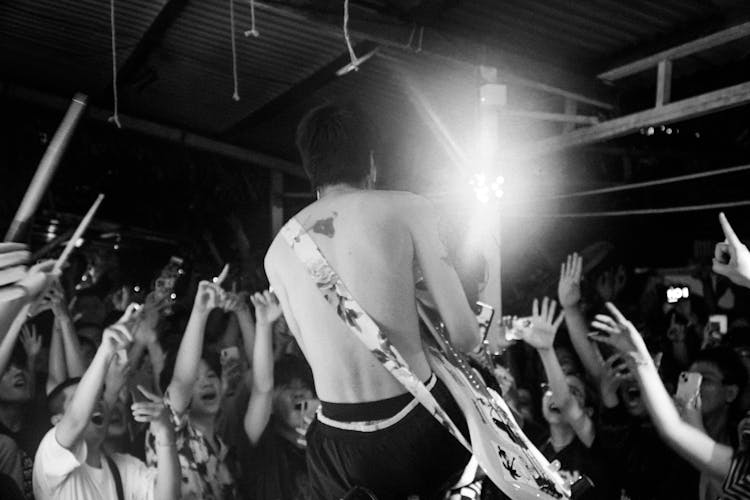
(360, 323)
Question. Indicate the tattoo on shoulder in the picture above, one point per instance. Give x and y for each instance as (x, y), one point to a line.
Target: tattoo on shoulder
(325, 226)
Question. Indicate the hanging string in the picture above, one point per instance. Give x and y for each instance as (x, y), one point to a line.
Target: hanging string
(621, 213)
(115, 118)
(252, 31)
(421, 36)
(352, 55)
(236, 94)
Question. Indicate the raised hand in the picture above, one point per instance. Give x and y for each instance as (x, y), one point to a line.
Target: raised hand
(210, 295)
(118, 337)
(615, 372)
(13, 258)
(569, 287)
(618, 332)
(267, 307)
(15, 280)
(53, 300)
(236, 302)
(32, 343)
(541, 333)
(154, 412)
(731, 257)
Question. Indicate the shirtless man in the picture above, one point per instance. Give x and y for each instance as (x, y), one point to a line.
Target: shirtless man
(370, 432)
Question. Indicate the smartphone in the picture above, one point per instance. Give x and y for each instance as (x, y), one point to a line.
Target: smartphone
(689, 386)
(675, 293)
(229, 353)
(484, 313)
(718, 322)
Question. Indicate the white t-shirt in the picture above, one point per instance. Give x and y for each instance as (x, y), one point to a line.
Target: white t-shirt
(63, 474)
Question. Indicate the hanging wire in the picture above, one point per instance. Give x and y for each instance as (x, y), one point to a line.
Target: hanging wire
(421, 36)
(352, 55)
(658, 182)
(622, 213)
(115, 118)
(252, 31)
(236, 94)
(639, 185)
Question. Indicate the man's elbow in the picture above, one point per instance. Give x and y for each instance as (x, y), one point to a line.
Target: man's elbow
(468, 341)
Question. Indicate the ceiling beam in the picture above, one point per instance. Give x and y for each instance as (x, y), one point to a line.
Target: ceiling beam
(452, 49)
(693, 107)
(149, 41)
(299, 91)
(159, 131)
(698, 45)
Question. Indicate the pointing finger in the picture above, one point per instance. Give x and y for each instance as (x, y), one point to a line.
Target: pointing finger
(729, 233)
(221, 277)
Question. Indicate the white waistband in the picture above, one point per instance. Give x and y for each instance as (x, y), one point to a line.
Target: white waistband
(375, 425)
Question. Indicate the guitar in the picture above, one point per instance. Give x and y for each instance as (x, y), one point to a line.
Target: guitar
(505, 454)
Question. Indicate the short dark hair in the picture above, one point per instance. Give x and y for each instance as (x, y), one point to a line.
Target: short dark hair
(56, 397)
(289, 368)
(335, 142)
(210, 356)
(728, 362)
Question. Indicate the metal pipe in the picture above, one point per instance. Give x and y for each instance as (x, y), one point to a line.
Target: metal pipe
(46, 169)
(160, 131)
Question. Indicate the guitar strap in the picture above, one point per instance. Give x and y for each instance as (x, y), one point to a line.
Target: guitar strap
(336, 293)
(116, 477)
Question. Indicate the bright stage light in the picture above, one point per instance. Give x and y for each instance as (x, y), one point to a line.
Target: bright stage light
(484, 191)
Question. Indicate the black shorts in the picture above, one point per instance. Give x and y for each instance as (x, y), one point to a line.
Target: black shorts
(414, 456)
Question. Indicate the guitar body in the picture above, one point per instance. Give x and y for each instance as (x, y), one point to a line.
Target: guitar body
(506, 455)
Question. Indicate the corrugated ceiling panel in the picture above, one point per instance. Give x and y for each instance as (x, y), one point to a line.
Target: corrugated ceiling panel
(65, 46)
(194, 64)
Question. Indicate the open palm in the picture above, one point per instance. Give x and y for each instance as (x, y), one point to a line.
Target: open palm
(541, 333)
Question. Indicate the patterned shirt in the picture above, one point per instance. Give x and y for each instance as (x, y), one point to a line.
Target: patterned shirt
(737, 482)
(205, 470)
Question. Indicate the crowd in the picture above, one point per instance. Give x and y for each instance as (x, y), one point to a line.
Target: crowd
(211, 398)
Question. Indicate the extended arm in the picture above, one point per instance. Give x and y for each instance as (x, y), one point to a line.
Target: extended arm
(692, 444)
(441, 278)
(208, 297)
(541, 336)
(168, 474)
(70, 428)
(267, 310)
(569, 293)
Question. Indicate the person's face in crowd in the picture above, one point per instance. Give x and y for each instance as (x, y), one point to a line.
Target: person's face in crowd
(630, 395)
(567, 359)
(15, 385)
(715, 395)
(551, 412)
(96, 430)
(91, 332)
(88, 350)
(118, 419)
(292, 403)
(206, 391)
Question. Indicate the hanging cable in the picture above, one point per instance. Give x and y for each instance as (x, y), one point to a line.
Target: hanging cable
(658, 182)
(236, 94)
(623, 213)
(115, 118)
(252, 31)
(352, 55)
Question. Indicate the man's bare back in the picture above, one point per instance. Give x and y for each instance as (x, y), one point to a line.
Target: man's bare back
(372, 239)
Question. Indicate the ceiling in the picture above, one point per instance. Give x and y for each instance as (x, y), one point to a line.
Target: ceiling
(175, 69)
(175, 56)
